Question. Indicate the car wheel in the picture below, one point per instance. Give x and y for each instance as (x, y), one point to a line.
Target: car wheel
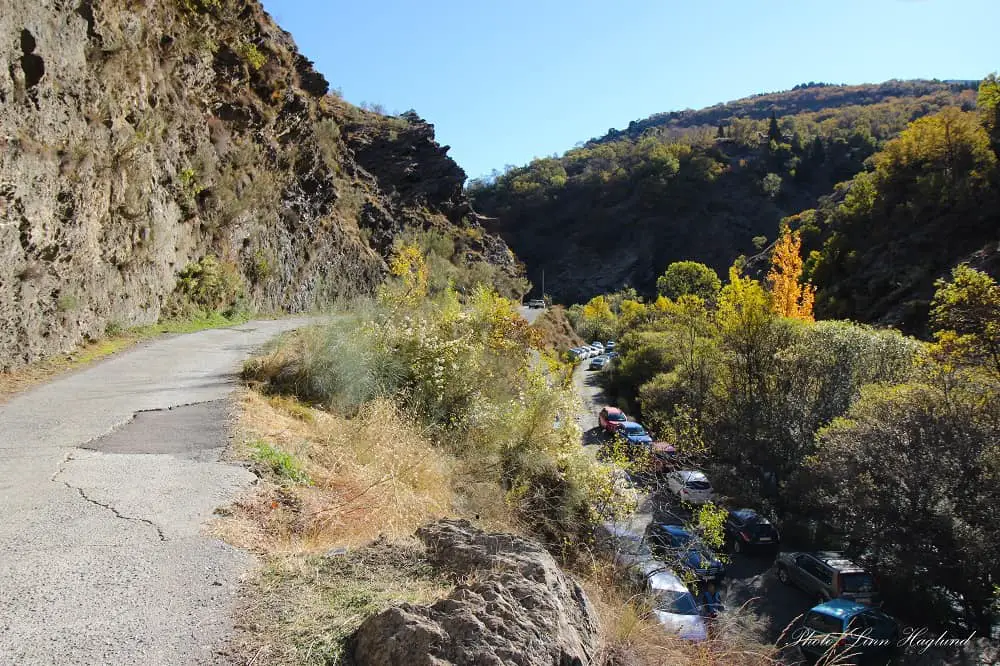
(783, 575)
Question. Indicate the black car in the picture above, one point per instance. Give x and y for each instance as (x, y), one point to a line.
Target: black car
(748, 531)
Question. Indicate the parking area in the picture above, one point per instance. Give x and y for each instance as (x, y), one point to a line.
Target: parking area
(751, 581)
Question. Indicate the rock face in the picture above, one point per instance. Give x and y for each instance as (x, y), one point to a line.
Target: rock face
(519, 608)
(136, 138)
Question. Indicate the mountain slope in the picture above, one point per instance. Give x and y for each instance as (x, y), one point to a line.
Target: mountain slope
(707, 185)
(140, 138)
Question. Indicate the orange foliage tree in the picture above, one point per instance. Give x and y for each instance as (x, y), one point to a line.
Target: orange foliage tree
(791, 298)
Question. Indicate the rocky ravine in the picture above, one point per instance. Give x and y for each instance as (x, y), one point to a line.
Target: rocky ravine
(516, 606)
(138, 137)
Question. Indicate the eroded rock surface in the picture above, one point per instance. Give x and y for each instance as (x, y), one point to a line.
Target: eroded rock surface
(513, 605)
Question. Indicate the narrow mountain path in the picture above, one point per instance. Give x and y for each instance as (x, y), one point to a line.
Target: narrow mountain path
(108, 478)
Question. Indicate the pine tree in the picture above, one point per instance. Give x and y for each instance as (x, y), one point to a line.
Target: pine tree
(773, 131)
(722, 132)
(790, 297)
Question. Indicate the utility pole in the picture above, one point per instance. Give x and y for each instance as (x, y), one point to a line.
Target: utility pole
(543, 284)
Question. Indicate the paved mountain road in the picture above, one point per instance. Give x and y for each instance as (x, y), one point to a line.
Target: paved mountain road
(103, 556)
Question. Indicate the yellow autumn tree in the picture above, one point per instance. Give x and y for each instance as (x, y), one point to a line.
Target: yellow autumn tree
(409, 270)
(790, 298)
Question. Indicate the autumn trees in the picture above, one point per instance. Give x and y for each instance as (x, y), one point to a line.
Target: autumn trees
(855, 437)
(791, 298)
(932, 199)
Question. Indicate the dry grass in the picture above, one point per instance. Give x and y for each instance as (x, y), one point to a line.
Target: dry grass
(368, 476)
(556, 331)
(631, 637)
(302, 610)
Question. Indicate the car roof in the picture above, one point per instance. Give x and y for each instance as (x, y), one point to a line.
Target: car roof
(836, 560)
(667, 581)
(613, 410)
(635, 424)
(675, 529)
(750, 515)
(692, 475)
(840, 608)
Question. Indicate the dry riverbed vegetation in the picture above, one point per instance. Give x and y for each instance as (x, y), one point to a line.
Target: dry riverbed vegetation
(416, 406)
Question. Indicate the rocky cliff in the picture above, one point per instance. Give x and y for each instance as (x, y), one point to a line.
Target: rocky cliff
(138, 137)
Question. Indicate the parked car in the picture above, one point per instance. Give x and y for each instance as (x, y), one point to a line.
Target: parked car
(598, 363)
(611, 419)
(626, 547)
(662, 457)
(596, 344)
(635, 434)
(847, 633)
(827, 575)
(610, 345)
(676, 546)
(590, 352)
(690, 486)
(748, 531)
(536, 303)
(675, 607)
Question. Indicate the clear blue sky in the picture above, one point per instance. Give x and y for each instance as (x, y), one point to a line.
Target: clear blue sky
(504, 82)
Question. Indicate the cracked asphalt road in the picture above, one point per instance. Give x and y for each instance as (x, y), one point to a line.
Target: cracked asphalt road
(103, 555)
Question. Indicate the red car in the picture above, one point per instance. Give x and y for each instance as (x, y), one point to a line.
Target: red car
(663, 457)
(611, 419)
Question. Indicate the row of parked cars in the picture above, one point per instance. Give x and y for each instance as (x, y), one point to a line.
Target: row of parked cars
(846, 618)
(594, 350)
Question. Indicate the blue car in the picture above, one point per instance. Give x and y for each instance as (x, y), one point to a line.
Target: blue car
(674, 544)
(848, 632)
(635, 434)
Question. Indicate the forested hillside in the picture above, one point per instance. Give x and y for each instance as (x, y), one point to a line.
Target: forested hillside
(930, 201)
(706, 185)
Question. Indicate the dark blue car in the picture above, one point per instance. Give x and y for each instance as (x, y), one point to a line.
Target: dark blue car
(848, 632)
(635, 434)
(674, 544)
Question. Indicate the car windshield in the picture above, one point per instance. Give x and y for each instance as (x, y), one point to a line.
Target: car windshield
(634, 429)
(698, 485)
(677, 602)
(857, 582)
(823, 623)
(616, 416)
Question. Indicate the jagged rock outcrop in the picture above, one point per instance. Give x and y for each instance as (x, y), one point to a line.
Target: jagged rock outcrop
(138, 137)
(515, 606)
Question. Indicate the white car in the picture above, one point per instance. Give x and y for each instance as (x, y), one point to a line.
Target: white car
(598, 345)
(589, 352)
(675, 607)
(690, 486)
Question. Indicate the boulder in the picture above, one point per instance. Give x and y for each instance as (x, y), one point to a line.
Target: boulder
(514, 605)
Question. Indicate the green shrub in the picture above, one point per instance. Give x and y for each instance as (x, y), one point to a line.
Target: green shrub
(281, 464)
(464, 371)
(253, 55)
(206, 286)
